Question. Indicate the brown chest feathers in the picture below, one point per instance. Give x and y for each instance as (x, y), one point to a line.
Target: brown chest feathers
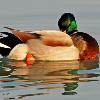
(87, 45)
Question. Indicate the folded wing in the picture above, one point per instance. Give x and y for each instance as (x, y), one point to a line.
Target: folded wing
(48, 37)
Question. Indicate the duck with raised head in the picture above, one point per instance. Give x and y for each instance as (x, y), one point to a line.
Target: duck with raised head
(48, 45)
(86, 44)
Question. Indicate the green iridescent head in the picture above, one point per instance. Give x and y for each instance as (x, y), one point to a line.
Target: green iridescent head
(67, 23)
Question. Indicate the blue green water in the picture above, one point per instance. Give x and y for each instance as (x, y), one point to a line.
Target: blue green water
(64, 80)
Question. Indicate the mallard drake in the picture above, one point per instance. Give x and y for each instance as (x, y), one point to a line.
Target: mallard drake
(87, 45)
(38, 45)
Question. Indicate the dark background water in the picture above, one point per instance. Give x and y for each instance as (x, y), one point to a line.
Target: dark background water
(50, 80)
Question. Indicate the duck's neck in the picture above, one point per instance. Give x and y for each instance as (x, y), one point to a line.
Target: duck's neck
(72, 32)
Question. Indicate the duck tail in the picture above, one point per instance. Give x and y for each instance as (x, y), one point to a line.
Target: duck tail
(7, 42)
(9, 38)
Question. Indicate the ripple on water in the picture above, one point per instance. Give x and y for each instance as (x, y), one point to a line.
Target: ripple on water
(19, 81)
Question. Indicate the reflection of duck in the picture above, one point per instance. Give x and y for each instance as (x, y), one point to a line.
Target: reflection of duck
(70, 88)
(43, 73)
(40, 69)
(86, 44)
(43, 45)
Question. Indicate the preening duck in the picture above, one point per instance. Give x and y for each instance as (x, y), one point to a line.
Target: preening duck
(87, 45)
(47, 45)
(50, 45)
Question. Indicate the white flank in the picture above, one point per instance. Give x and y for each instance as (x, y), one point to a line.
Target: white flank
(19, 52)
(4, 46)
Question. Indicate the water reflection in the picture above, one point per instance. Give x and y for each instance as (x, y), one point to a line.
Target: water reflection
(44, 76)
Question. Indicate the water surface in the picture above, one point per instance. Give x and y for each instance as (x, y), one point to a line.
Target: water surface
(61, 80)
